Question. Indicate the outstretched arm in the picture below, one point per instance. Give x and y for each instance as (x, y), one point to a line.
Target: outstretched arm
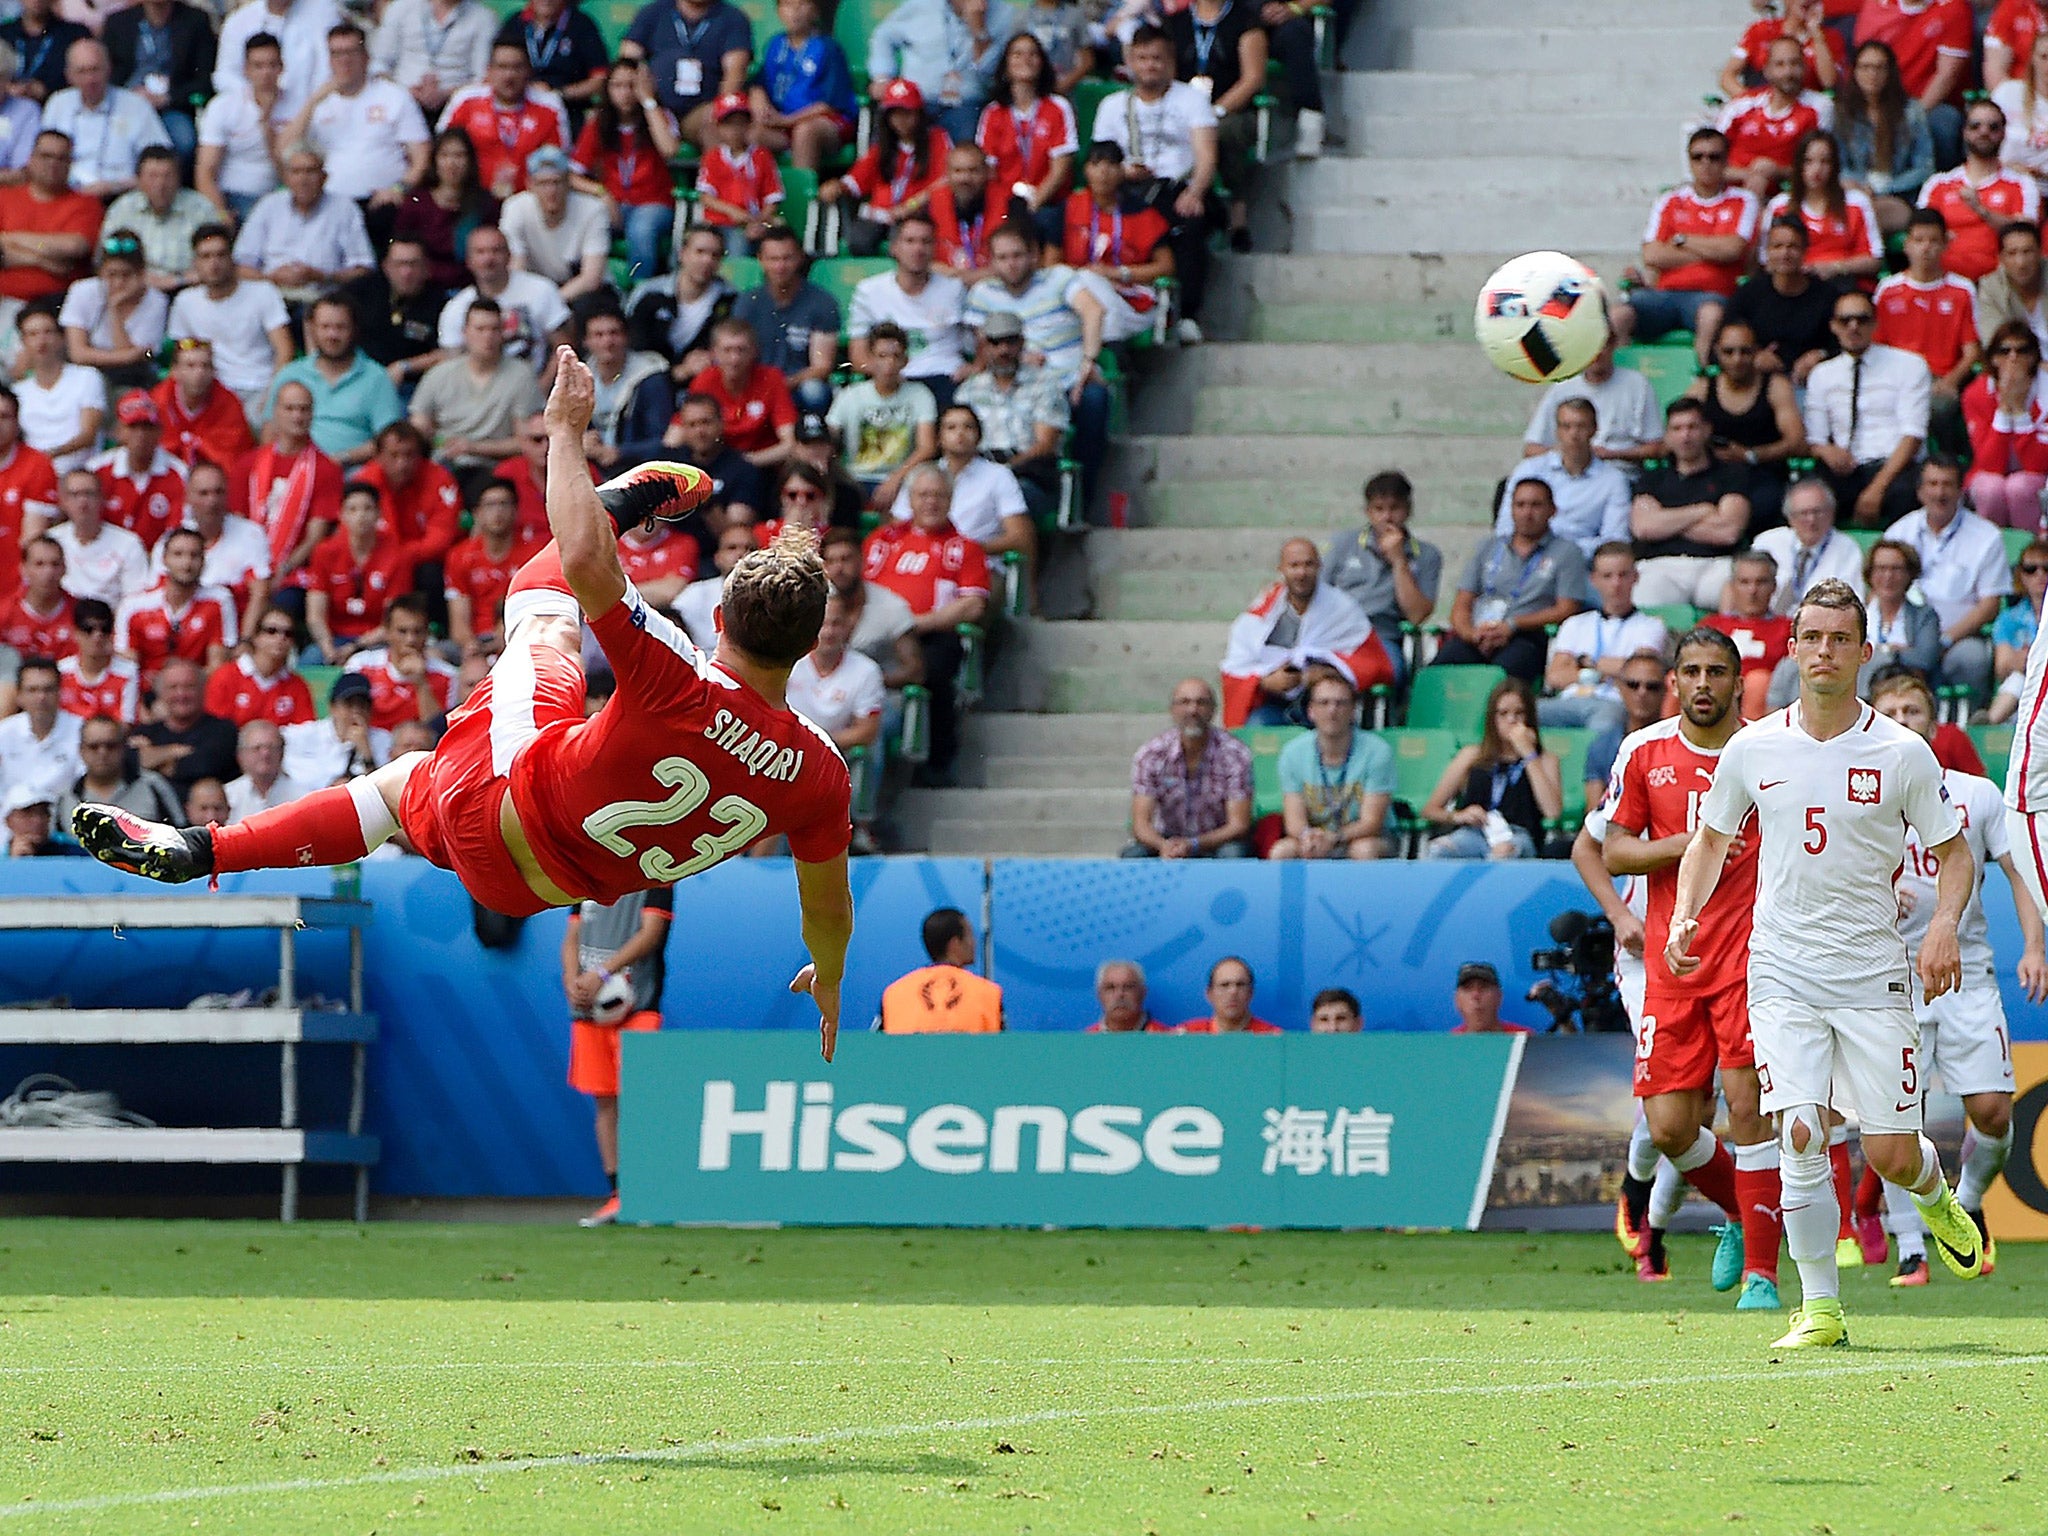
(581, 526)
(828, 928)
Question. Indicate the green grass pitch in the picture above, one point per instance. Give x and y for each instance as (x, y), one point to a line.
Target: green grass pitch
(253, 1378)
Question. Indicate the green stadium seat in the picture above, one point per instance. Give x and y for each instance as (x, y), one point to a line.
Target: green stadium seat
(799, 191)
(2016, 539)
(1677, 617)
(1421, 753)
(1994, 745)
(1089, 95)
(855, 21)
(743, 272)
(1265, 742)
(1452, 698)
(1864, 537)
(613, 17)
(761, 16)
(319, 680)
(1570, 744)
(1669, 368)
(842, 274)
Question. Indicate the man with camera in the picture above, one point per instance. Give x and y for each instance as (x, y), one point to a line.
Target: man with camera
(1644, 824)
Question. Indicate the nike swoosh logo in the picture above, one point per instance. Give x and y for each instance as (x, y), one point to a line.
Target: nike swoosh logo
(1900, 1109)
(1772, 785)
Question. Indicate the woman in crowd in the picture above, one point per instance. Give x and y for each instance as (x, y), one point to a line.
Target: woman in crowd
(2005, 414)
(622, 155)
(1902, 633)
(2024, 100)
(1029, 136)
(2013, 630)
(905, 161)
(1493, 798)
(1887, 148)
(440, 214)
(1843, 238)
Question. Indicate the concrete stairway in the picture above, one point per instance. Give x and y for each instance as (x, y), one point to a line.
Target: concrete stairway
(1475, 129)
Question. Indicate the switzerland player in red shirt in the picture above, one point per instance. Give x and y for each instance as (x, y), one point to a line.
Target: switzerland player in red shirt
(690, 761)
(1648, 817)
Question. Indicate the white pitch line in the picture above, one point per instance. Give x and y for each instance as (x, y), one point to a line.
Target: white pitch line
(735, 1364)
(711, 1450)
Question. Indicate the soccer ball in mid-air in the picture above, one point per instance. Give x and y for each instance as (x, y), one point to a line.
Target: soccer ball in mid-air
(1542, 317)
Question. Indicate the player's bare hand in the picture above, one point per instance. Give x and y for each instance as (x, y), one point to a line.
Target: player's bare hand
(1676, 958)
(1941, 960)
(827, 999)
(2033, 974)
(1628, 933)
(574, 396)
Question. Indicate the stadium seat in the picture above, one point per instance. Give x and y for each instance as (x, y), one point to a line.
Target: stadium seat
(840, 275)
(1265, 742)
(1421, 753)
(2016, 539)
(1677, 617)
(1089, 95)
(1669, 364)
(319, 680)
(1570, 744)
(1994, 745)
(1864, 537)
(1452, 698)
(799, 191)
(743, 272)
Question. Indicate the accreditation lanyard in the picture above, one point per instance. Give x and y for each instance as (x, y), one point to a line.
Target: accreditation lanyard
(1205, 37)
(1110, 247)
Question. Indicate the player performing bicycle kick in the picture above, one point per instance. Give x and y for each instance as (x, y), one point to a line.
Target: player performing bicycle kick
(1834, 785)
(533, 806)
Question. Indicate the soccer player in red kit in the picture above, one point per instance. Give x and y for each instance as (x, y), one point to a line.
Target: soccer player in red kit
(690, 761)
(1686, 1027)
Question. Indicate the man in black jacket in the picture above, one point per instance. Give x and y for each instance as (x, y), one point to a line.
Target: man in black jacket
(163, 50)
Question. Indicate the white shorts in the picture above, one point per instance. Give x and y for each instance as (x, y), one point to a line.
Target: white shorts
(1963, 1037)
(1863, 1061)
(1630, 977)
(2029, 838)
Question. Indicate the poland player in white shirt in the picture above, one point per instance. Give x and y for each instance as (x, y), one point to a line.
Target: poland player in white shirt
(1963, 1035)
(1834, 786)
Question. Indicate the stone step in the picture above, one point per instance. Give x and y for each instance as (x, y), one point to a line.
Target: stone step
(1443, 503)
(1589, 14)
(1242, 552)
(999, 839)
(1648, 137)
(1446, 95)
(1237, 456)
(1432, 278)
(1057, 806)
(1476, 188)
(1010, 733)
(1364, 322)
(1066, 771)
(1680, 52)
(1141, 594)
(1391, 223)
(1409, 368)
(1267, 410)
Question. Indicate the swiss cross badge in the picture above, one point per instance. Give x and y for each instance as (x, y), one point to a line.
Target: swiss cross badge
(1866, 786)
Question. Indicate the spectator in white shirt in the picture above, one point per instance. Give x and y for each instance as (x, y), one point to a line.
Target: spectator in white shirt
(100, 559)
(430, 47)
(536, 319)
(1592, 496)
(61, 404)
(303, 238)
(840, 691)
(988, 505)
(263, 785)
(370, 132)
(108, 125)
(342, 747)
(246, 323)
(39, 745)
(1809, 548)
(556, 233)
(1591, 647)
(1963, 573)
(242, 131)
(928, 305)
(300, 27)
(1631, 423)
(1866, 417)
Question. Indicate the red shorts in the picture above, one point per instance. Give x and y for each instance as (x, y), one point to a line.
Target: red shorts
(450, 806)
(594, 1052)
(1682, 1035)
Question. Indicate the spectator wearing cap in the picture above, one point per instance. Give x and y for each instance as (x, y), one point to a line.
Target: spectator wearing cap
(1591, 647)
(739, 190)
(1120, 994)
(109, 126)
(634, 397)
(1384, 568)
(1630, 427)
(949, 50)
(1024, 413)
(899, 172)
(302, 237)
(1335, 1011)
(887, 425)
(184, 743)
(696, 51)
(532, 319)
(818, 447)
(945, 997)
(108, 780)
(353, 398)
(927, 307)
(142, 488)
(1297, 628)
(1963, 573)
(795, 322)
(163, 215)
(429, 47)
(1229, 992)
(341, 747)
(555, 233)
(1591, 496)
(1697, 246)
(1689, 515)
(262, 785)
(1191, 785)
(46, 229)
(1866, 417)
(1477, 1000)
(1336, 782)
(506, 118)
(1514, 588)
(39, 742)
(29, 824)
(115, 321)
(367, 121)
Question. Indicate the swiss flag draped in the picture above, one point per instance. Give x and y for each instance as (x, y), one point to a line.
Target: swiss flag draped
(1334, 632)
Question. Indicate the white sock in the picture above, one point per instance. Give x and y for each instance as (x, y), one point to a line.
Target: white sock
(1667, 1194)
(1838, 1135)
(1642, 1152)
(1983, 1159)
(1699, 1154)
(1757, 1156)
(1930, 1187)
(372, 814)
(1812, 1219)
(1902, 1218)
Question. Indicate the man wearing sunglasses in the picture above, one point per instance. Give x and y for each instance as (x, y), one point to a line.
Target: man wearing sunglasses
(102, 743)
(262, 685)
(1695, 247)
(1866, 417)
(94, 680)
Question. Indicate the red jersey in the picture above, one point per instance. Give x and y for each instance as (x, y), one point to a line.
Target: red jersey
(505, 137)
(28, 483)
(218, 430)
(1021, 146)
(1758, 131)
(117, 692)
(1921, 36)
(958, 241)
(1763, 642)
(672, 553)
(239, 693)
(2014, 26)
(532, 522)
(357, 594)
(472, 572)
(926, 570)
(2002, 444)
(395, 699)
(867, 182)
(681, 769)
(38, 634)
(284, 495)
(1851, 236)
(151, 631)
(22, 212)
(1732, 211)
(425, 516)
(1755, 49)
(756, 416)
(1208, 1027)
(148, 505)
(1972, 244)
(1936, 321)
(634, 174)
(1655, 789)
(747, 180)
(1113, 237)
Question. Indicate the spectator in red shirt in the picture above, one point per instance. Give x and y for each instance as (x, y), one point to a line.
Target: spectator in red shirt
(1762, 639)
(28, 491)
(47, 230)
(962, 219)
(37, 620)
(1844, 241)
(262, 685)
(1028, 134)
(1933, 40)
(1762, 126)
(738, 187)
(1932, 314)
(624, 153)
(507, 118)
(1230, 1003)
(201, 416)
(1696, 246)
(2008, 421)
(422, 507)
(479, 570)
(291, 490)
(407, 682)
(178, 616)
(1822, 51)
(143, 486)
(1477, 1000)
(355, 573)
(1121, 242)
(527, 474)
(1981, 196)
(754, 403)
(903, 165)
(93, 680)
(944, 579)
(2009, 40)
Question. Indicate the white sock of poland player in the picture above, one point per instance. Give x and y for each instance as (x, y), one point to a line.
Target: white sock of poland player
(1812, 1217)
(1667, 1194)
(1983, 1160)
(1929, 1187)
(372, 814)
(1642, 1152)
(1902, 1216)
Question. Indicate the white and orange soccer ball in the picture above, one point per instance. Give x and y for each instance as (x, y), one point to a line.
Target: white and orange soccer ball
(1542, 317)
